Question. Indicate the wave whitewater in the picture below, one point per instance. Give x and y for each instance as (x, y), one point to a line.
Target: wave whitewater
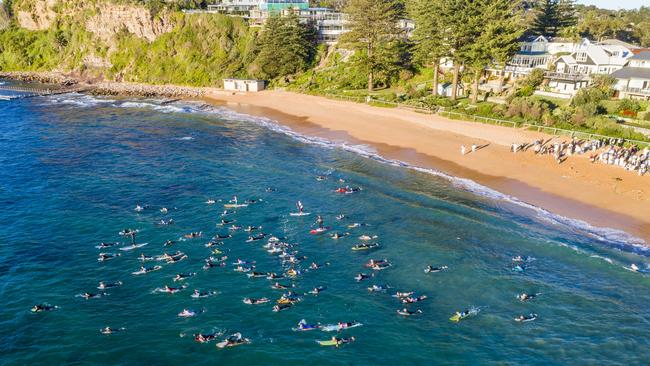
(613, 237)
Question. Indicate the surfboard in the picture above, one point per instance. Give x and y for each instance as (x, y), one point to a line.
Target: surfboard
(327, 343)
(319, 230)
(300, 214)
(233, 205)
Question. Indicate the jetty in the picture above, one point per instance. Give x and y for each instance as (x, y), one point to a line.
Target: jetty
(22, 92)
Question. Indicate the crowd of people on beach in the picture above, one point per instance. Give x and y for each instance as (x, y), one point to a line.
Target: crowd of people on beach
(607, 151)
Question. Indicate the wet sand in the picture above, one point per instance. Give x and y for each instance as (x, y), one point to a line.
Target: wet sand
(601, 195)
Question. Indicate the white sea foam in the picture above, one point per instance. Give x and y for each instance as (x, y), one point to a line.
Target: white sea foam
(603, 234)
(615, 237)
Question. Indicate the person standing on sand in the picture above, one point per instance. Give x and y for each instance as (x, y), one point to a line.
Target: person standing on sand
(462, 149)
(474, 147)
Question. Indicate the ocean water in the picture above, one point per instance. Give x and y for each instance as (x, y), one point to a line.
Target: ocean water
(74, 167)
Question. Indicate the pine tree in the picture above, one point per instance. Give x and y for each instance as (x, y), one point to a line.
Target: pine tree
(504, 32)
(430, 39)
(285, 47)
(375, 34)
(553, 16)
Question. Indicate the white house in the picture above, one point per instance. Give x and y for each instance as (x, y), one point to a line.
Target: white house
(533, 53)
(242, 85)
(633, 81)
(573, 72)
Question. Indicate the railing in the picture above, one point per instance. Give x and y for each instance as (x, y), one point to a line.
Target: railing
(566, 76)
(636, 90)
(28, 92)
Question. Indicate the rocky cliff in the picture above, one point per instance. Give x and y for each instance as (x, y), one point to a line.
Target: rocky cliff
(125, 40)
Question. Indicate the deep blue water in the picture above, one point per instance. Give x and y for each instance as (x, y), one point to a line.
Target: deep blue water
(74, 168)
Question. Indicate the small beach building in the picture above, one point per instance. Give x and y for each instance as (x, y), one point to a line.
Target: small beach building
(446, 89)
(243, 85)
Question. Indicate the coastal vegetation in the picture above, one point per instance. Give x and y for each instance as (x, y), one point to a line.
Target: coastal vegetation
(455, 41)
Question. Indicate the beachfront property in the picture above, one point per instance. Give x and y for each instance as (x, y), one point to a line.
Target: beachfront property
(243, 85)
(633, 80)
(572, 72)
(329, 23)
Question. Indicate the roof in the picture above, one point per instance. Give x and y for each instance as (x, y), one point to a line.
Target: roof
(642, 56)
(632, 72)
(535, 38)
(567, 59)
(618, 42)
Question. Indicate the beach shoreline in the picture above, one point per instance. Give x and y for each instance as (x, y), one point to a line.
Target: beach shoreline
(601, 195)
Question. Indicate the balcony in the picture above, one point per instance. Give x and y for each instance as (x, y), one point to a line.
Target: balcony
(566, 77)
(636, 91)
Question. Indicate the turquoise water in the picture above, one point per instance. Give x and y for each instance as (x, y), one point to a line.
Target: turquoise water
(74, 168)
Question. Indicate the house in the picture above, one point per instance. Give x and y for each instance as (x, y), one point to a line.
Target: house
(245, 7)
(633, 80)
(243, 85)
(446, 89)
(533, 53)
(572, 72)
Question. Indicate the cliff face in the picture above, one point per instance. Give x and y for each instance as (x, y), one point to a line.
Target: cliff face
(103, 18)
(111, 19)
(126, 41)
(36, 14)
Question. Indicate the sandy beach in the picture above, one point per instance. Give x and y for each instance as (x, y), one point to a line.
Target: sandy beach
(599, 194)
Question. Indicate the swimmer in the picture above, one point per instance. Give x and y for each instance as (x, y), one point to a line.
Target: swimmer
(525, 297)
(169, 243)
(199, 294)
(109, 330)
(187, 313)
(164, 210)
(317, 290)
(205, 338)
(88, 295)
(411, 300)
(280, 307)
(524, 318)
(107, 256)
(183, 276)
(315, 265)
(43, 307)
(138, 208)
(378, 288)
(144, 258)
(103, 285)
(106, 245)
(340, 217)
(402, 295)
(303, 326)
(337, 236)
(432, 269)
(361, 276)
(407, 312)
(251, 301)
(278, 286)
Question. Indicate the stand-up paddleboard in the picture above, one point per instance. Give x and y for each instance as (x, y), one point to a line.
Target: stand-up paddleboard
(319, 230)
(300, 211)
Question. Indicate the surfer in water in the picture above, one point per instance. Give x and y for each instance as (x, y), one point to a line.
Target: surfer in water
(319, 222)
